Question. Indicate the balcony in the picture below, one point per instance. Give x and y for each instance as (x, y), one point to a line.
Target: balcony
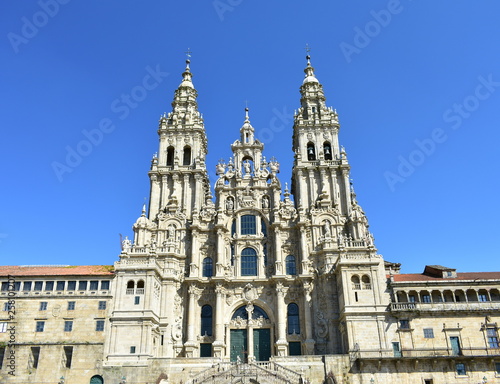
(446, 306)
(425, 353)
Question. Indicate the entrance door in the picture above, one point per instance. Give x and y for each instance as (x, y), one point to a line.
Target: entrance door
(262, 344)
(455, 345)
(239, 345)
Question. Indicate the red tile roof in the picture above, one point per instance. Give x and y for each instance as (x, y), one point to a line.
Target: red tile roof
(460, 276)
(55, 270)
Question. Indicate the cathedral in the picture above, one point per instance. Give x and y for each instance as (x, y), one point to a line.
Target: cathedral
(247, 280)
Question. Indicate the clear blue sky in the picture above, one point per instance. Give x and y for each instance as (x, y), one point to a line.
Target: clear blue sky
(416, 85)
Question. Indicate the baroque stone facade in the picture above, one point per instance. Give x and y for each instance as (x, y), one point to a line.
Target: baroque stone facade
(249, 282)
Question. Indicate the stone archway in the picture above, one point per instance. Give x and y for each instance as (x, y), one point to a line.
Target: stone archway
(96, 379)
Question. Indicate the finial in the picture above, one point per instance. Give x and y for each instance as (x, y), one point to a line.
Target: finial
(144, 209)
(247, 119)
(188, 60)
(308, 57)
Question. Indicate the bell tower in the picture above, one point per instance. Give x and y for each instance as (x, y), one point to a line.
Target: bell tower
(178, 174)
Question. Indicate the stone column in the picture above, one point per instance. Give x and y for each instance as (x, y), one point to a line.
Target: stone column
(278, 252)
(195, 252)
(250, 356)
(347, 191)
(191, 344)
(219, 261)
(309, 343)
(281, 343)
(304, 257)
(186, 196)
(219, 345)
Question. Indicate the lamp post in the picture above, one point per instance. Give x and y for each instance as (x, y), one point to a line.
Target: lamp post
(61, 380)
(485, 380)
(124, 380)
(372, 380)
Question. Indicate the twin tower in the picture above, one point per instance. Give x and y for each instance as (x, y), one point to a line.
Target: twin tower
(247, 271)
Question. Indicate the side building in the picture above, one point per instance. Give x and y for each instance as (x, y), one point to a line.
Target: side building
(56, 317)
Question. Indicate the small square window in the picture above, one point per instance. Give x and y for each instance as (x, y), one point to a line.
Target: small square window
(60, 285)
(428, 333)
(27, 286)
(137, 300)
(94, 285)
(102, 305)
(426, 299)
(68, 325)
(460, 369)
(428, 381)
(3, 328)
(5, 286)
(482, 298)
(43, 306)
(71, 305)
(132, 349)
(105, 285)
(411, 298)
(49, 286)
(404, 324)
(71, 285)
(99, 325)
(38, 285)
(40, 325)
(82, 285)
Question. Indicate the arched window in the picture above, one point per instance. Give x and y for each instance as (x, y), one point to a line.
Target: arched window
(140, 287)
(248, 262)
(208, 267)
(291, 268)
(293, 319)
(206, 320)
(248, 226)
(366, 282)
(186, 160)
(130, 287)
(311, 152)
(243, 313)
(170, 156)
(355, 282)
(96, 380)
(327, 150)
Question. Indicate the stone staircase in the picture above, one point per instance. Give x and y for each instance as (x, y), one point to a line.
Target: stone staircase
(256, 373)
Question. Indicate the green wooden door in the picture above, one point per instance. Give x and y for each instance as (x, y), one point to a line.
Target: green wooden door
(262, 344)
(239, 345)
(294, 348)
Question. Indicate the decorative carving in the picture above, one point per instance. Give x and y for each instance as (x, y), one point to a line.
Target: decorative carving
(249, 292)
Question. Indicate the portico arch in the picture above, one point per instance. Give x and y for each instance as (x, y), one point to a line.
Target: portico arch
(250, 333)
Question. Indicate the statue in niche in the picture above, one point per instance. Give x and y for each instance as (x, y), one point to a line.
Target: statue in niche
(247, 167)
(326, 229)
(229, 204)
(171, 232)
(265, 202)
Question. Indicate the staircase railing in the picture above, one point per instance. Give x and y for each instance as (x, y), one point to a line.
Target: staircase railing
(268, 372)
